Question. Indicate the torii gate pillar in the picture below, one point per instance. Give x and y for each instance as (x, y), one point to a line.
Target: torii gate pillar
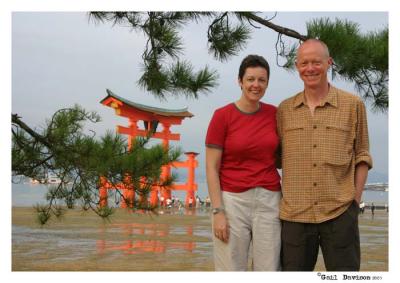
(152, 117)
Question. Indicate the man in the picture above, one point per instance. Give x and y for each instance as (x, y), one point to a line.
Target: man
(325, 163)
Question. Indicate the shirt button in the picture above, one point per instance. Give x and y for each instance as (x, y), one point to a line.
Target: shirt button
(315, 126)
(315, 184)
(315, 164)
(314, 146)
(315, 202)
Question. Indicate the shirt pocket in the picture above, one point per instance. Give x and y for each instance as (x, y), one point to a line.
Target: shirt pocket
(293, 130)
(339, 141)
(294, 141)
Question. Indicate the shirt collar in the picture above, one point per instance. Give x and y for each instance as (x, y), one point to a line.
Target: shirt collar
(331, 98)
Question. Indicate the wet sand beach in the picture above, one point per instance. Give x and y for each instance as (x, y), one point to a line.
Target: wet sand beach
(82, 241)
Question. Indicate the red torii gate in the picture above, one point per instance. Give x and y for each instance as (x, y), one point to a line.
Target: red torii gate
(152, 117)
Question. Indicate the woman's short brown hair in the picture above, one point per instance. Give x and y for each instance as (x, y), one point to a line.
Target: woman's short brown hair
(253, 61)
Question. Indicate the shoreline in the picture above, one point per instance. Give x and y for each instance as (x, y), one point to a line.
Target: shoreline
(82, 241)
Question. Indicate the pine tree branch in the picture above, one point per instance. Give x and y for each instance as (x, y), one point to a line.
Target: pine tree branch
(16, 120)
(370, 84)
(225, 40)
(283, 30)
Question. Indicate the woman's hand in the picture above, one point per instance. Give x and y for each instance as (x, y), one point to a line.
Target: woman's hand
(220, 221)
(221, 226)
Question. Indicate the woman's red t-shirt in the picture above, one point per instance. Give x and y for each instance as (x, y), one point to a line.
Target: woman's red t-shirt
(249, 143)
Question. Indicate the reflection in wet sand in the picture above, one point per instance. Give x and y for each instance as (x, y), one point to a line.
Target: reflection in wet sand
(156, 244)
(173, 241)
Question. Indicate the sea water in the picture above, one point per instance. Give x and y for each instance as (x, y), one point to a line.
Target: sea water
(27, 194)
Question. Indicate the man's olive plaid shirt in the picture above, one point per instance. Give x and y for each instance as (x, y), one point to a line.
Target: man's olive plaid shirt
(319, 155)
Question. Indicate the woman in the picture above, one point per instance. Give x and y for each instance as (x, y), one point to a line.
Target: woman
(243, 182)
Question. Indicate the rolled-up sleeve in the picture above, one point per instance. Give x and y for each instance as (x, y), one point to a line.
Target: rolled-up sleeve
(361, 145)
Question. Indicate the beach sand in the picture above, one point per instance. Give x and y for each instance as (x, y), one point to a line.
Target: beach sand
(81, 241)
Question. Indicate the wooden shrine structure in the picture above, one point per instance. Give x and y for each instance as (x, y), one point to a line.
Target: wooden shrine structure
(152, 117)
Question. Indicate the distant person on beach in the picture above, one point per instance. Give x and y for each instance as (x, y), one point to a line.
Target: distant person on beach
(362, 207)
(243, 182)
(198, 202)
(208, 201)
(190, 202)
(373, 209)
(169, 203)
(325, 162)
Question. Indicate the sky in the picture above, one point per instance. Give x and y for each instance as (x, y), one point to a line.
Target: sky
(63, 58)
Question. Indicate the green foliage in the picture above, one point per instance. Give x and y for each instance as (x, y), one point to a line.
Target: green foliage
(179, 79)
(163, 46)
(79, 160)
(105, 212)
(359, 58)
(26, 159)
(224, 39)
